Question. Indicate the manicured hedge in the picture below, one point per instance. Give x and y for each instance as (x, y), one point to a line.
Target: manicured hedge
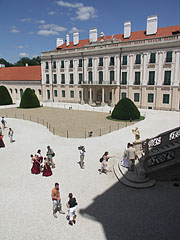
(29, 99)
(5, 98)
(125, 109)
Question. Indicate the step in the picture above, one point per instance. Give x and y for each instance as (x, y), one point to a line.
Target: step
(133, 184)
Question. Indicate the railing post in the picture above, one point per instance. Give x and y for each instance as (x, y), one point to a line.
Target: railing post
(100, 131)
(67, 134)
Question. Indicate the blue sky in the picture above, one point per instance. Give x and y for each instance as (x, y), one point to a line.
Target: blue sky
(28, 27)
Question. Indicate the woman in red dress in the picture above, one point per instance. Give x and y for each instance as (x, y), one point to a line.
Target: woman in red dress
(2, 145)
(47, 169)
(36, 165)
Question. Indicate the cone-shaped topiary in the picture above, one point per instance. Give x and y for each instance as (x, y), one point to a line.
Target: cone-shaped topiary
(29, 99)
(5, 98)
(125, 109)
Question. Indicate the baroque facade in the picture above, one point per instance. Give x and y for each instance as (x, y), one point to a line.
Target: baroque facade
(143, 66)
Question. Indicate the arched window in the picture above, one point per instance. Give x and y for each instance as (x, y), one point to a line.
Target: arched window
(10, 90)
(39, 91)
(100, 77)
(33, 90)
(16, 91)
(90, 80)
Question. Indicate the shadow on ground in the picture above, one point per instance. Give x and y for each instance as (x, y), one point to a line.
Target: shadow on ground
(143, 214)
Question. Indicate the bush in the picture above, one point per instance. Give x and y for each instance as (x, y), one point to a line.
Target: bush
(29, 99)
(125, 109)
(5, 98)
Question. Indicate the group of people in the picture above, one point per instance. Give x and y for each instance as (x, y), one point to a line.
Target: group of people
(10, 133)
(40, 166)
(57, 206)
(129, 157)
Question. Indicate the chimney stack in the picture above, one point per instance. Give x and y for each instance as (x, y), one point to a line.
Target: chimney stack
(93, 35)
(26, 64)
(75, 38)
(67, 40)
(59, 42)
(127, 29)
(152, 25)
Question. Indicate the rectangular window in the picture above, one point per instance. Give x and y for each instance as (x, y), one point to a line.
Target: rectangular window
(63, 78)
(90, 62)
(55, 93)
(111, 76)
(151, 78)
(71, 78)
(123, 95)
(47, 65)
(138, 59)
(111, 61)
(72, 94)
(48, 94)
(100, 77)
(80, 62)
(137, 78)
(55, 79)
(47, 78)
(167, 78)
(110, 96)
(54, 64)
(169, 57)
(150, 97)
(124, 78)
(71, 64)
(152, 58)
(63, 93)
(62, 64)
(136, 97)
(90, 77)
(80, 78)
(166, 98)
(124, 62)
(101, 61)
(80, 94)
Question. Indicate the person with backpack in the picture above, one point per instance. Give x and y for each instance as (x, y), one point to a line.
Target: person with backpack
(50, 154)
(104, 162)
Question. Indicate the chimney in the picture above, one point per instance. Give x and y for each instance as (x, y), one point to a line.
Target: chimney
(151, 25)
(127, 29)
(26, 64)
(75, 38)
(93, 35)
(59, 42)
(67, 40)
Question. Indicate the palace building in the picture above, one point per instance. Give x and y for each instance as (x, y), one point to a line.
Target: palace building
(143, 66)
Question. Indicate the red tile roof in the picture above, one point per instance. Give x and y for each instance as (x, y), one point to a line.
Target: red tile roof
(139, 35)
(29, 73)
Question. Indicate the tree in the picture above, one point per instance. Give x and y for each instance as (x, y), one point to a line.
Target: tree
(30, 62)
(125, 109)
(7, 64)
(29, 99)
(5, 98)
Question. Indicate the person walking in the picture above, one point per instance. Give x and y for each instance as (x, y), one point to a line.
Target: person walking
(47, 170)
(125, 160)
(82, 154)
(10, 134)
(71, 205)
(3, 122)
(36, 165)
(131, 156)
(57, 207)
(104, 161)
(2, 145)
(50, 154)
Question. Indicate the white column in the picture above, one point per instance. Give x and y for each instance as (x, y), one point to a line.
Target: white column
(76, 71)
(177, 77)
(90, 95)
(102, 96)
(117, 69)
(113, 98)
(160, 68)
(131, 69)
(66, 71)
(106, 69)
(144, 80)
(85, 70)
(95, 70)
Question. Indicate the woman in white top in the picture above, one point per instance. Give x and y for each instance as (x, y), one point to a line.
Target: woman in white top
(125, 160)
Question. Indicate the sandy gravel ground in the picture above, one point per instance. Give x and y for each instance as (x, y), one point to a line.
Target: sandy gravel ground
(106, 209)
(64, 122)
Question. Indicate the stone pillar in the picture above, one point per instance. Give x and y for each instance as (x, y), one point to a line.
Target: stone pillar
(90, 95)
(95, 70)
(113, 98)
(131, 69)
(144, 80)
(82, 96)
(160, 69)
(103, 103)
(117, 69)
(177, 62)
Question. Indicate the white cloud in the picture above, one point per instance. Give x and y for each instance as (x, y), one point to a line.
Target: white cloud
(14, 31)
(47, 32)
(53, 27)
(74, 29)
(82, 12)
(26, 20)
(51, 13)
(24, 55)
(20, 46)
(41, 21)
(30, 33)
